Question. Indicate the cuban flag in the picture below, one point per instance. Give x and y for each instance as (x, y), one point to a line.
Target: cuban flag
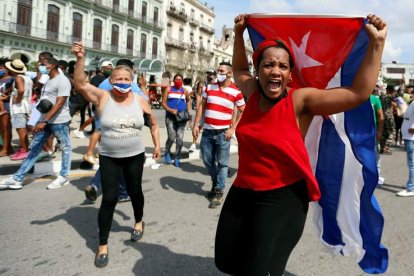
(328, 52)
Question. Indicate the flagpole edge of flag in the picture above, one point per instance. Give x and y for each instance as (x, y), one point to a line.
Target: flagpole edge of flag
(303, 15)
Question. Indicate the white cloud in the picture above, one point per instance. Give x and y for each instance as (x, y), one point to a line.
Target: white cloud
(391, 53)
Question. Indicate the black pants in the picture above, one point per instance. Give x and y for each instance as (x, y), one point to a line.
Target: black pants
(257, 231)
(111, 171)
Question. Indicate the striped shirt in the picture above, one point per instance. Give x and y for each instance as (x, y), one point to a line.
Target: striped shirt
(220, 105)
(176, 98)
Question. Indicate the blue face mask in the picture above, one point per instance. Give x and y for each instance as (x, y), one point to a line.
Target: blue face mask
(123, 87)
(43, 70)
(2, 73)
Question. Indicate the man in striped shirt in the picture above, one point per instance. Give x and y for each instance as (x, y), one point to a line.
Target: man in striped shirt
(219, 101)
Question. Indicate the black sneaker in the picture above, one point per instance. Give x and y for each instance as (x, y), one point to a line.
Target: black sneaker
(90, 193)
(216, 200)
(210, 195)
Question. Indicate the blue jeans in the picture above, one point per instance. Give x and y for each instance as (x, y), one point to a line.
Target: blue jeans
(409, 148)
(96, 181)
(61, 132)
(215, 151)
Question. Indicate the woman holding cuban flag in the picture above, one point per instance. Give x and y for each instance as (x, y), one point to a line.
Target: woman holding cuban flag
(265, 210)
(121, 150)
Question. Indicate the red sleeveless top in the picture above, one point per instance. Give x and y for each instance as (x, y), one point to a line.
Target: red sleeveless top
(272, 152)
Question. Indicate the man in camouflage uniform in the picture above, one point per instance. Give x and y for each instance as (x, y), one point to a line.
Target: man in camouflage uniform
(388, 134)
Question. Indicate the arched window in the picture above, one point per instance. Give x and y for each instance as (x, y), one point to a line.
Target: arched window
(77, 27)
(200, 39)
(130, 42)
(115, 38)
(24, 16)
(143, 45)
(154, 47)
(52, 22)
(97, 33)
(181, 34)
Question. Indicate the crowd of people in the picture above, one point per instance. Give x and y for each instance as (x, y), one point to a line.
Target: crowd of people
(268, 201)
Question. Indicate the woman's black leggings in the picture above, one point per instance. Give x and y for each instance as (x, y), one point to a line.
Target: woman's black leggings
(111, 171)
(258, 230)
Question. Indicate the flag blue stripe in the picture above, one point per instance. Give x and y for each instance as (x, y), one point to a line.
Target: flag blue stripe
(360, 129)
(255, 37)
(329, 170)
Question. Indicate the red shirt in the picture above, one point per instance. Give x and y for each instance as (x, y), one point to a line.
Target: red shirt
(272, 152)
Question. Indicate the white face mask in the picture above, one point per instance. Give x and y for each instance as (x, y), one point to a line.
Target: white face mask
(221, 77)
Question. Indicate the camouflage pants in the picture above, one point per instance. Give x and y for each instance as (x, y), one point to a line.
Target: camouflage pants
(388, 133)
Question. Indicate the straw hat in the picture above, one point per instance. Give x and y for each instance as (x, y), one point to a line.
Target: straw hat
(16, 66)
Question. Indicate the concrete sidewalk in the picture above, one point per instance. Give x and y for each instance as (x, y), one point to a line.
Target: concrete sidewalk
(79, 147)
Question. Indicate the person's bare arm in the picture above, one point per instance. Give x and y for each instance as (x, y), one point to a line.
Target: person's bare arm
(154, 128)
(82, 86)
(336, 100)
(242, 76)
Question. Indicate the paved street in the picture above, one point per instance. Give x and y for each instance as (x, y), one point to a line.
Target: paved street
(54, 232)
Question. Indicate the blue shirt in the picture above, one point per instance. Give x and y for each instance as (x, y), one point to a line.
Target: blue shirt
(106, 85)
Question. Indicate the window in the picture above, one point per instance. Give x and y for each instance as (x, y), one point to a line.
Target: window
(181, 34)
(201, 18)
(52, 22)
(182, 7)
(77, 27)
(144, 10)
(24, 16)
(191, 37)
(115, 38)
(143, 45)
(156, 11)
(192, 14)
(130, 42)
(201, 42)
(169, 29)
(97, 33)
(392, 70)
(131, 5)
(154, 47)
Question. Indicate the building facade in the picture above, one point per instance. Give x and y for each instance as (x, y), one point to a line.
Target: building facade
(189, 38)
(110, 30)
(393, 73)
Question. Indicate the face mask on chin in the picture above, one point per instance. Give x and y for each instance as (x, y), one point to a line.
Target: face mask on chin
(221, 77)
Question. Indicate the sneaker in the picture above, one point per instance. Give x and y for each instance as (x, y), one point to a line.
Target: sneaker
(405, 193)
(192, 148)
(10, 183)
(124, 199)
(381, 180)
(58, 182)
(20, 155)
(216, 200)
(167, 158)
(90, 159)
(90, 193)
(79, 134)
(177, 163)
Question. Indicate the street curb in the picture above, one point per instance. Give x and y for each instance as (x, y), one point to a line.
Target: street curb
(52, 167)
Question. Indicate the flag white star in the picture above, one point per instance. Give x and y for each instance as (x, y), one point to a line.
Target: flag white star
(302, 59)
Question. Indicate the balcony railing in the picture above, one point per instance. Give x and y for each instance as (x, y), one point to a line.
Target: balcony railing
(207, 28)
(44, 35)
(120, 9)
(194, 22)
(104, 3)
(178, 14)
(169, 41)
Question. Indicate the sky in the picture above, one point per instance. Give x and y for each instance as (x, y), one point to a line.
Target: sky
(399, 15)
